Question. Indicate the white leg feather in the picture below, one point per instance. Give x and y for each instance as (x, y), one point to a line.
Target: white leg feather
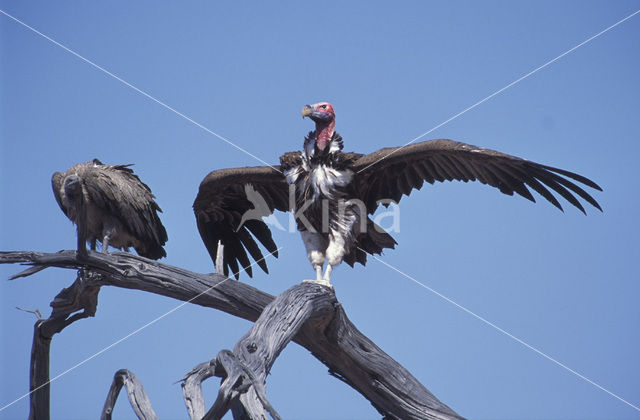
(334, 254)
(315, 244)
(220, 258)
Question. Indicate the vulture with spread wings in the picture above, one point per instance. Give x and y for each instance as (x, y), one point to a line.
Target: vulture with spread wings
(109, 203)
(333, 193)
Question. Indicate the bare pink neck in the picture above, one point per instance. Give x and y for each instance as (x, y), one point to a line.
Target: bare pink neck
(324, 133)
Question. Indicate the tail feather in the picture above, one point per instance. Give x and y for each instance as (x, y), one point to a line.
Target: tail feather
(372, 241)
(153, 251)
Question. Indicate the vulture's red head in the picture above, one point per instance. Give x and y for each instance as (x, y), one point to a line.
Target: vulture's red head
(324, 116)
(322, 112)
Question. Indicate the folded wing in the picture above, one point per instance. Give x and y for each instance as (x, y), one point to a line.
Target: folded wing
(118, 190)
(57, 180)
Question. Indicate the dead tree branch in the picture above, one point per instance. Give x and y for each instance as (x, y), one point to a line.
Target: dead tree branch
(246, 368)
(192, 388)
(82, 295)
(349, 355)
(137, 397)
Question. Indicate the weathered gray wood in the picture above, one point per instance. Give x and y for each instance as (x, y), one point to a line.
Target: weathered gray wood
(135, 391)
(134, 272)
(192, 388)
(350, 355)
(246, 368)
(80, 296)
(398, 395)
(237, 381)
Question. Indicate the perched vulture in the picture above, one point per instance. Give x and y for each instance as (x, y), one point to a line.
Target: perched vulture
(335, 192)
(109, 203)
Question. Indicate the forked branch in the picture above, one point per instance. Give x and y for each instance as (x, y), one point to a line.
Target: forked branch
(137, 397)
(348, 354)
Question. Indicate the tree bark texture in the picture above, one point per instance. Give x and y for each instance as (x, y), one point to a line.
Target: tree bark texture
(81, 295)
(135, 391)
(246, 368)
(329, 335)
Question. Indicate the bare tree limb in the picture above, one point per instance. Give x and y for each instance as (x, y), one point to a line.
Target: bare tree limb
(82, 295)
(137, 397)
(192, 388)
(247, 367)
(349, 355)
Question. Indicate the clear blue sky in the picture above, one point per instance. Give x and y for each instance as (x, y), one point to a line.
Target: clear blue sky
(564, 283)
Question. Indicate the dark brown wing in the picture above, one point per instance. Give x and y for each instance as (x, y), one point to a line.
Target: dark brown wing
(56, 183)
(118, 190)
(229, 208)
(391, 172)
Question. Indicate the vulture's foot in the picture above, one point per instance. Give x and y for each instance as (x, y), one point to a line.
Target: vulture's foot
(324, 283)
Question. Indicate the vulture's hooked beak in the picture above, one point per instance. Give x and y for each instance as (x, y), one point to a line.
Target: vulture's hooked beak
(306, 111)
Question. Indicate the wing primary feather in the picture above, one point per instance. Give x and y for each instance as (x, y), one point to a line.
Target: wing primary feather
(241, 256)
(230, 259)
(518, 184)
(575, 188)
(210, 241)
(544, 177)
(508, 183)
(251, 246)
(574, 176)
(260, 230)
(540, 189)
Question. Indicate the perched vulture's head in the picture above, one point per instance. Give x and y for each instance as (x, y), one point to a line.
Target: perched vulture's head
(325, 118)
(322, 112)
(73, 188)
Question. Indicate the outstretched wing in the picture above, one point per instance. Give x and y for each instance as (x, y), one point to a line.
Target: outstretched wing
(229, 208)
(391, 172)
(118, 190)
